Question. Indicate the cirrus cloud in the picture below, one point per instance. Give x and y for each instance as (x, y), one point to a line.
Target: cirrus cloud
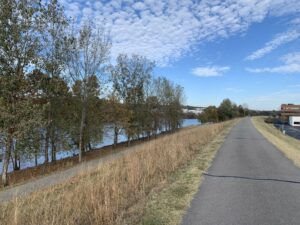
(279, 40)
(291, 65)
(212, 71)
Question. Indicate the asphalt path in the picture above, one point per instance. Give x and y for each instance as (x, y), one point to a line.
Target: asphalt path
(249, 183)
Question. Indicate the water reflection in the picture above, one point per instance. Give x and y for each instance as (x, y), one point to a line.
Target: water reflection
(107, 140)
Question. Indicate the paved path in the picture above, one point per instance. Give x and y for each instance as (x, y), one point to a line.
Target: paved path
(60, 177)
(249, 183)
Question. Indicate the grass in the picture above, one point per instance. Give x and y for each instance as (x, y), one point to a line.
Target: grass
(22, 176)
(169, 205)
(288, 145)
(119, 190)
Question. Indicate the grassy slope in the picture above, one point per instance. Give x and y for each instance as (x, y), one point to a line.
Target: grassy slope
(288, 145)
(169, 205)
(26, 175)
(119, 191)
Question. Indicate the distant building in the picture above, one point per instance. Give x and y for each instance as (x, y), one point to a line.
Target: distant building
(193, 109)
(290, 113)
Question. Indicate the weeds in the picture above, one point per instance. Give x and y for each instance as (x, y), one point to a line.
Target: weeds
(105, 195)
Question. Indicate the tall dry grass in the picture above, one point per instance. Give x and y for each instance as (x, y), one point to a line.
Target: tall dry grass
(285, 143)
(105, 196)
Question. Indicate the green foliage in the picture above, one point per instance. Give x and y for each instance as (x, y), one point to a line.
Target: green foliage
(210, 114)
(226, 111)
(52, 86)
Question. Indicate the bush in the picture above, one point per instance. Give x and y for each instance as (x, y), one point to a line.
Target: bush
(270, 120)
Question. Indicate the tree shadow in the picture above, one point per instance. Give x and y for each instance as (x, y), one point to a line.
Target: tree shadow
(251, 178)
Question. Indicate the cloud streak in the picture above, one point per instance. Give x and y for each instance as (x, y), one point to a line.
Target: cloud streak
(279, 40)
(213, 71)
(291, 65)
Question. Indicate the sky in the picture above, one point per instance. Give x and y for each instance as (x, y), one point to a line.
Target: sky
(245, 50)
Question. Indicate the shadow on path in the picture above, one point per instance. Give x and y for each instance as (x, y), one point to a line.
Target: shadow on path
(251, 178)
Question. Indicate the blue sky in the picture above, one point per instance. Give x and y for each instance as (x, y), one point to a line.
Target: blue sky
(245, 50)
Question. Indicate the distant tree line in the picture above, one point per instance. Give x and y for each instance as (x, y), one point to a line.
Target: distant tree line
(58, 87)
(227, 110)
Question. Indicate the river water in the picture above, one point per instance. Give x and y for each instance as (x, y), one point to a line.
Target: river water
(107, 140)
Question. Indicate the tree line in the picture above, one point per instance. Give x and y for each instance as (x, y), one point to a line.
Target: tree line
(58, 87)
(227, 110)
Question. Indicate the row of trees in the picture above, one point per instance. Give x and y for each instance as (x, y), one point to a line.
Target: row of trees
(226, 111)
(58, 88)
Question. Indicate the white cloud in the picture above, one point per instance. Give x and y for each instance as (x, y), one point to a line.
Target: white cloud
(213, 71)
(167, 29)
(139, 6)
(291, 58)
(291, 65)
(290, 68)
(295, 21)
(279, 40)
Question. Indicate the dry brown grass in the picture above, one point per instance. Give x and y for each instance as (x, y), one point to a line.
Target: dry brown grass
(288, 145)
(167, 207)
(105, 196)
(25, 175)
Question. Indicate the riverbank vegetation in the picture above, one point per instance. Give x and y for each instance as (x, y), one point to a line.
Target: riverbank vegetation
(116, 193)
(288, 145)
(227, 110)
(58, 88)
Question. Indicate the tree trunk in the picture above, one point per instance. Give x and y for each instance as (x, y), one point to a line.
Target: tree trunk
(128, 141)
(16, 165)
(5, 160)
(47, 146)
(116, 136)
(19, 160)
(36, 158)
(53, 152)
(81, 131)
(90, 146)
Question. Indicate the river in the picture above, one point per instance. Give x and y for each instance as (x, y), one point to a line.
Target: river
(107, 140)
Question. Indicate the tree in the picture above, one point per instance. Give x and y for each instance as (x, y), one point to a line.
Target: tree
(53, 63)
(129, 78)
(226, 110)
(152, 115)
(53, 93)
(94, 112)
(19, 47)
(117, 115)
(209, 114)
(171, 100)
(87, 54)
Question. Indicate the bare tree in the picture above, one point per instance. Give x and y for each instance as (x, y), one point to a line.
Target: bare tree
(87, 54)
